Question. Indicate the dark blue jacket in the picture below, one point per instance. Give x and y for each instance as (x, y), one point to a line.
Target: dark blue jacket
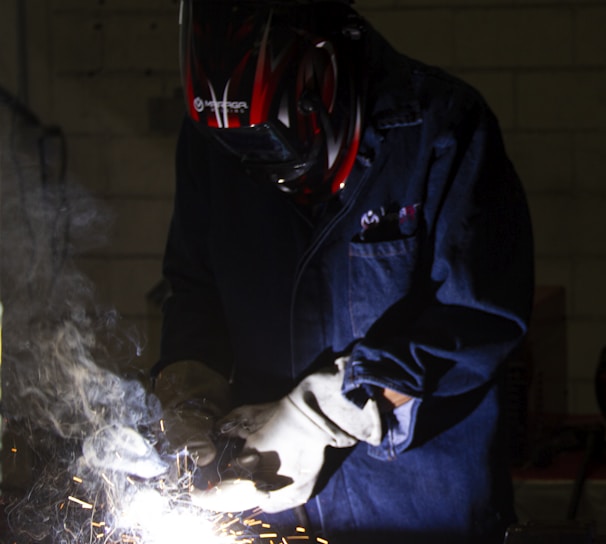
(421, 269)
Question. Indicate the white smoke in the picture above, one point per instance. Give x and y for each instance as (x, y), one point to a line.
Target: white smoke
(100, 467)
(67, 383)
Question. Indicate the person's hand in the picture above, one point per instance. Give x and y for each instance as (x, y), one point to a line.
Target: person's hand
(193, 396)
(284, 444)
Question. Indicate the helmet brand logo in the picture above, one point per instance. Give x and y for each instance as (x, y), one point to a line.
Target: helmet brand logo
(230, 106)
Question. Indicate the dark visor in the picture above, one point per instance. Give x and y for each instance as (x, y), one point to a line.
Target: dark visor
(259, 143)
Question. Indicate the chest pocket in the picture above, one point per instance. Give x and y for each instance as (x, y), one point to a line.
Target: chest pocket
(379, 275)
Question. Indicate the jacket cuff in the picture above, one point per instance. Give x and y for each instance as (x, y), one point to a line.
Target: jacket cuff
(359, 385)
(360, 382)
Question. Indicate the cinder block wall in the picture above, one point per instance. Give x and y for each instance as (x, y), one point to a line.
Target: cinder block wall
(106, 71)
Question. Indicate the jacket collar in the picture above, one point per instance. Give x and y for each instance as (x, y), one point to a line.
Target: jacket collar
(391, 98)
(391, 103)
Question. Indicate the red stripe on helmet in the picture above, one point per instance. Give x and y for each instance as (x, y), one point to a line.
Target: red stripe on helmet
(267, 77)
(346, 165)
(259, 90)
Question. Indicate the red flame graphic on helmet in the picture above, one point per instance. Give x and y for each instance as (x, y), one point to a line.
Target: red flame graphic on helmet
(267, 76)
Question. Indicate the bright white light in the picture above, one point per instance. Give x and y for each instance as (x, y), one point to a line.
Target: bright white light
(163, 523)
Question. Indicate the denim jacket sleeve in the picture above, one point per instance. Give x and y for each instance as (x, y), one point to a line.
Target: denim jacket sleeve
(187, 332)
(470, 300)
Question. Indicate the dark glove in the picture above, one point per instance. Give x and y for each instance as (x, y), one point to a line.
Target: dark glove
(285, 441)
(193, 397)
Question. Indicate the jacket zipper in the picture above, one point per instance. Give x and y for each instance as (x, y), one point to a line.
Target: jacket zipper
(310, 252)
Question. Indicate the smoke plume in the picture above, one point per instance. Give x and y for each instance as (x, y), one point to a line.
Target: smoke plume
(67, 390)
(98, 466)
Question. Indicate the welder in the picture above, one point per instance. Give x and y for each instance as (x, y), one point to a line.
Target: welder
(350, 265)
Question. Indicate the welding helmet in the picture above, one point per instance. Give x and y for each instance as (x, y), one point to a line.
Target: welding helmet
(279, 84)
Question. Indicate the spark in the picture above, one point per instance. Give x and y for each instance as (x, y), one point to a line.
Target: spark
(229, 523)
(83, 504)
(116, 508)
(161, 512)
(159, 521)
(134, 511)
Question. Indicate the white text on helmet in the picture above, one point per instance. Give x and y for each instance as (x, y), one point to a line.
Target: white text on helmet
(232, 106)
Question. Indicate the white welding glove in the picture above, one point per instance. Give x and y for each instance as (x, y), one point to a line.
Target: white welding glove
(193, 397)
(285, 442)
